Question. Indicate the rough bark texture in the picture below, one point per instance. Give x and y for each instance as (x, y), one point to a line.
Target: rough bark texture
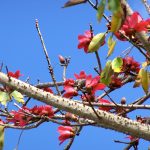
(108, 120)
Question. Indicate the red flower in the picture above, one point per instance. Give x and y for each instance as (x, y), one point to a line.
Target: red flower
(69, 89)
(115, 82)
(20, 117)
(69, 82)
(84, 40)
(48, 90)
(82, 75)
(104, 101)
(133, 23)
(93, 84)
(70, 92)
(15, 75)
(129, 64)
(66, 132)
(43, 111)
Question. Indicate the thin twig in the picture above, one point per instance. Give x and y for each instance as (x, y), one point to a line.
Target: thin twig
(147, 6)
(133, 144)
(64, 72)
(51, 71)
(24, 127)
(19, 140)
(110, 98)
(98, 61)
(136, 102)
(96, 53)
(27, 101)
(117, 141)
(92, 4)
(96, 3)
(129, 106)
(127, 51)
(125, 81)
(1, 67)
(49, 84)
(7, 73)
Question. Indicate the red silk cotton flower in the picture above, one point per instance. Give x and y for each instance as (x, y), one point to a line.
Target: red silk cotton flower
(14, 75)
(19, 117)
(45, 110)
(66, 132)
(130, 65)
(93, 84)
(133, 23)
(82, 75)
(70, 91)
(84, 41)
(22, 117)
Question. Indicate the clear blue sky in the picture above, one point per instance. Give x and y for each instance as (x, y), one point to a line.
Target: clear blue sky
(20, 48)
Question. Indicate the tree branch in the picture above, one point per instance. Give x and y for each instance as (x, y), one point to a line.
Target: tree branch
(51, 71)
(108, 120)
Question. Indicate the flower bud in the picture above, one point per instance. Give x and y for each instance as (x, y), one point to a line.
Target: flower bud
(123, 100)
(61, 59)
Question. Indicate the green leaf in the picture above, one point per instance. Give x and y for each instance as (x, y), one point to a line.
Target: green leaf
(114, 5)
(116, 22)
(17, 96)
(145, 80)
(73, 2)
(137, 82)
(111, 46)
(4, 98)
(117, 64)
(1, 137)
(96, 42)
(100, 10)
(106, 73)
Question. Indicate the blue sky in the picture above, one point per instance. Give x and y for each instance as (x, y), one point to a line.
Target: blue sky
(20, 48)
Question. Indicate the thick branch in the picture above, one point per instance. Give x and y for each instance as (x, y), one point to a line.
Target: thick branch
(107, 120)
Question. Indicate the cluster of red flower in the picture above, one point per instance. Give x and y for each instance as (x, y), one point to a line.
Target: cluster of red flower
(132, 24)
(130, 65)
(23, 116)
(92, 84)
